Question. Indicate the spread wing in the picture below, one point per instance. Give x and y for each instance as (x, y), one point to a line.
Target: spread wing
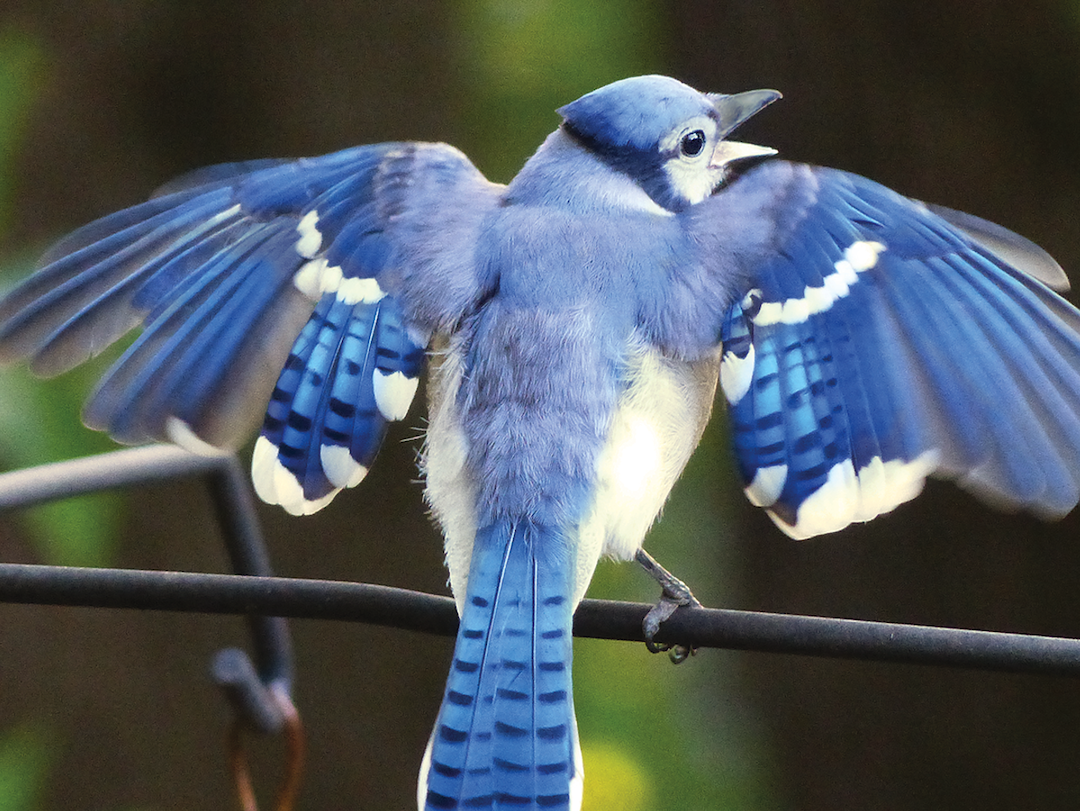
(254, 282)
(884, 340)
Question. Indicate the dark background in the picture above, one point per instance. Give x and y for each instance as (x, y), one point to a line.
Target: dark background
(974, 106)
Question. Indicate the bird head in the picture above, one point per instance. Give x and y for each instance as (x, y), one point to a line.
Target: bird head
(664, 135)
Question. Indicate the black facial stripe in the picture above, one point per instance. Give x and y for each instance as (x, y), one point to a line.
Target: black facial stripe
(643, 167)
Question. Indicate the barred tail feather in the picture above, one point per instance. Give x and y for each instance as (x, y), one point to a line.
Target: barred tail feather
(506, 735)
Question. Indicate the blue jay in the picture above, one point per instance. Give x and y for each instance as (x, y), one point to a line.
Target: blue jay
(577, 322)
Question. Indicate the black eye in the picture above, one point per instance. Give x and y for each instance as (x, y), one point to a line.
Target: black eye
(692, 143)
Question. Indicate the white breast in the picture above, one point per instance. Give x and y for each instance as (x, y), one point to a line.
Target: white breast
(656, 426)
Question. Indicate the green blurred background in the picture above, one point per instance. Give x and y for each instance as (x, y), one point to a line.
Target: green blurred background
(973, 105)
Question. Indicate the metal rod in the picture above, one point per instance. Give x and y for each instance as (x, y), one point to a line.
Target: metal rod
(226, 594)
(88, 474)
(235, 510)
(411, 610)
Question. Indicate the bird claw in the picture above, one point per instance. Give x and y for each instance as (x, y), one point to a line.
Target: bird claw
(676, 594)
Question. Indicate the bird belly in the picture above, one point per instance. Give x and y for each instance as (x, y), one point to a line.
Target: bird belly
(656, 426)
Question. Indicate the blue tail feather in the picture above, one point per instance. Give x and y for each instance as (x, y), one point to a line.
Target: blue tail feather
(509, 689)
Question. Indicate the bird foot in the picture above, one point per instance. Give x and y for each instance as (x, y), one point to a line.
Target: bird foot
(676, 594)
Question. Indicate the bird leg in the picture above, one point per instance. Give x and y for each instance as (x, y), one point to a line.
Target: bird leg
(675, 594)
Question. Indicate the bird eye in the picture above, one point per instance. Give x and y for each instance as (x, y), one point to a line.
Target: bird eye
(692, 143)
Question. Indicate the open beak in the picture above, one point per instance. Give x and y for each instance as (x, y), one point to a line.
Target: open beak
(734, 110)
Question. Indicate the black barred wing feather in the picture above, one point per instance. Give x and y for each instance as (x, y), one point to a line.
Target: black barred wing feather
(353, 369)
(884, 342)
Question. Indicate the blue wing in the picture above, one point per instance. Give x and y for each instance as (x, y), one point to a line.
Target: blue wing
(254, 281)
(887, 340)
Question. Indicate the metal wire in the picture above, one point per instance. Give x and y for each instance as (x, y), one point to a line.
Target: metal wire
(416, 611)
(599, 619)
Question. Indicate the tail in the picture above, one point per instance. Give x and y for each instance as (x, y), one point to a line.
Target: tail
(506, 735)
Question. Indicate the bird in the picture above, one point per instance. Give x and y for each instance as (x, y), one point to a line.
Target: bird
(576, 325)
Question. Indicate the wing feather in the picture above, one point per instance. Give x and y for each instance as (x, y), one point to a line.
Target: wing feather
(881, 341)
(263, 281)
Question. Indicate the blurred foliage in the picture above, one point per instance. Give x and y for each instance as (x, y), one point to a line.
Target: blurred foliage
(39, 422)
(639, 721)
(615, 782)
(674, 721)
(526, 58)
(26, 751)
(22, 75)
